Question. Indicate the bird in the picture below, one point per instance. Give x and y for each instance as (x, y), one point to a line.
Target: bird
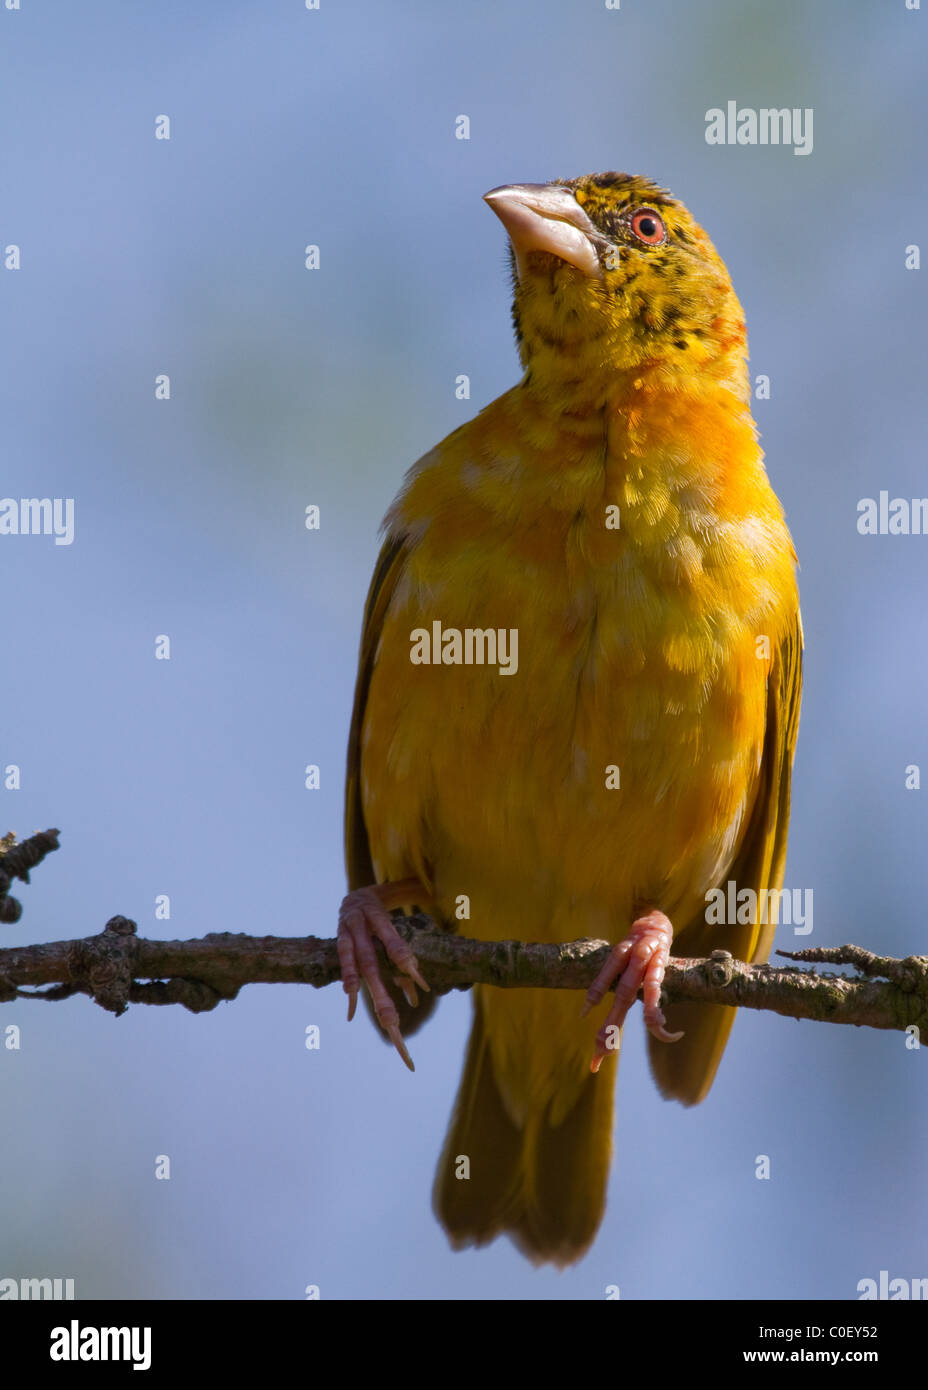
(604, 543)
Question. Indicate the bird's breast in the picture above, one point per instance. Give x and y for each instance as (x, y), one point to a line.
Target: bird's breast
(571, 680)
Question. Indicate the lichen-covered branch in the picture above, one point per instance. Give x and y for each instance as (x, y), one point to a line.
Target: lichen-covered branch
(117, 968)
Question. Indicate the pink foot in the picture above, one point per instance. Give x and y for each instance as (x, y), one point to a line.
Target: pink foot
(640, 960)
(362, 916)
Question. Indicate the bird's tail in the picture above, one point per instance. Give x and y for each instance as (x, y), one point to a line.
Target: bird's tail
(541, 1182)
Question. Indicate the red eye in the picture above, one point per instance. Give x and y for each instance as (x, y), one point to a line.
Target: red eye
(648, 227)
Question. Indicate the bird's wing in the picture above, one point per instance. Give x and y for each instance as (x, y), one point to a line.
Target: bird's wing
(389, 566)
(358, 861)
(685, 1070)
(761, 858)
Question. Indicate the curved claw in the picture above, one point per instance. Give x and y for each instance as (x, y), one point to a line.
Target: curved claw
(409, 990)
(656, 1024)
(393, 1033)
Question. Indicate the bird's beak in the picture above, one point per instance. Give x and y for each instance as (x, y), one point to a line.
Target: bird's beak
(546, 217)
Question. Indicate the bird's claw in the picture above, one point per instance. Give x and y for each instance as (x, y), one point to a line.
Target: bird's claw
(638, 962)
(363, 916)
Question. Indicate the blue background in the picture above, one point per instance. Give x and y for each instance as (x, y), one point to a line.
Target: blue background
(293, 1167)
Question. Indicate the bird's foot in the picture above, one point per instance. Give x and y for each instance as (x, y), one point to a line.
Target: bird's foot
(363, 916)
(638, 962)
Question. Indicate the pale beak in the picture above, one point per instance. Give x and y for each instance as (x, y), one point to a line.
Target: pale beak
(546, 217)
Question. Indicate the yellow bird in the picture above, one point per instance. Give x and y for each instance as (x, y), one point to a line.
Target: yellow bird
(578, 695)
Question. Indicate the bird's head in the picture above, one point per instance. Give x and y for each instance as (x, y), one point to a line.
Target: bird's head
(613, 276)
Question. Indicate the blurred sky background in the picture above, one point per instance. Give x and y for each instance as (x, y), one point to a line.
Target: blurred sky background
(293, 1167)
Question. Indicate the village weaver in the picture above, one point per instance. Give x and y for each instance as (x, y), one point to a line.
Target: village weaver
(613, 511)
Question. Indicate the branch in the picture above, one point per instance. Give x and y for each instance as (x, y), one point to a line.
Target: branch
(117, 967)
(16, 861)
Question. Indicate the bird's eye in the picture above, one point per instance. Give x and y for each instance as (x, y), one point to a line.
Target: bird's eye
(648, 227)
